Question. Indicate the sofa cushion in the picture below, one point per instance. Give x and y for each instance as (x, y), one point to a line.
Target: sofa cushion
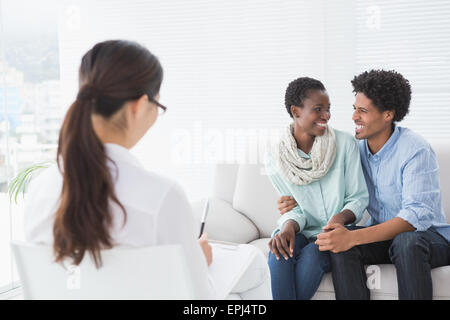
(224, 223)
(387, 285)
(382, 287)
(262, 244)
(385, 291)
(441, 282)
(256, 198)
(388, 288)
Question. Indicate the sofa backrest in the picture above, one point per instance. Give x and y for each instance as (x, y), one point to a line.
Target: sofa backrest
(225, 176)
(250, 191)
(256, 198)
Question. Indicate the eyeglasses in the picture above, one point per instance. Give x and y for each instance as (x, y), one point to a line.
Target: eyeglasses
(162, 108)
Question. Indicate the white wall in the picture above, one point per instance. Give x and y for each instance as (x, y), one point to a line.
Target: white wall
(227, 64)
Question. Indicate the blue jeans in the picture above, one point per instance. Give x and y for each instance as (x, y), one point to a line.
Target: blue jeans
(414, 254)
(299, 276)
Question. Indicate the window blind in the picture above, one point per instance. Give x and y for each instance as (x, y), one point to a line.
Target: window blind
(411, 37)
(227, 65)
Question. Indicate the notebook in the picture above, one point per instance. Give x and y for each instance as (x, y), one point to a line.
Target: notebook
(229, 263)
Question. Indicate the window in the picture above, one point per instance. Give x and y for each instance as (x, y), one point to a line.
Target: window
(30, 104)
(411, 37)
(408, 36)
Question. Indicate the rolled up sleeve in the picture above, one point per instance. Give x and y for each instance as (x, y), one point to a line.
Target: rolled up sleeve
(421, 194)
(296, 215)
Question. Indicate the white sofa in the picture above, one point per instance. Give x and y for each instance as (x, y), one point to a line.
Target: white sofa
(243, 209)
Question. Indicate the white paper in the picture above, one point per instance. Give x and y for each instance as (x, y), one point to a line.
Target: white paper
(228, 265)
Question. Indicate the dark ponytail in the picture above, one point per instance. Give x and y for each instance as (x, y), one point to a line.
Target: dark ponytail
(111, 73)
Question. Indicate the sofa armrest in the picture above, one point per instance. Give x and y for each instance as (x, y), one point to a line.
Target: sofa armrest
(224, 223)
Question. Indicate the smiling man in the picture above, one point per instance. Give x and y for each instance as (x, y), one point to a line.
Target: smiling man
(407, 224)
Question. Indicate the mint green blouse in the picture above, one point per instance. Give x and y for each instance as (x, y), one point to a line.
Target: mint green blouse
(343, 187)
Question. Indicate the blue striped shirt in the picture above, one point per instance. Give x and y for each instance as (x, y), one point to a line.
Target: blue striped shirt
(403, 181)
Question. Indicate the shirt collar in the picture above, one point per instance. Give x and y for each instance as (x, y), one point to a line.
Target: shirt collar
(119, 153)
(302, 154)
(386, 147)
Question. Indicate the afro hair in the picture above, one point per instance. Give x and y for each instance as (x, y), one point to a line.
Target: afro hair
(388, 90)
(297, 91)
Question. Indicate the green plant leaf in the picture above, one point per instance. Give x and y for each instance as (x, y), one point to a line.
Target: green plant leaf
(18, 184)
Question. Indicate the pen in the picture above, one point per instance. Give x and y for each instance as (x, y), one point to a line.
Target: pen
(205, 213)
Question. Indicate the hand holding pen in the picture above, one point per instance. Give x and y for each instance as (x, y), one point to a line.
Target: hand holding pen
(205, 213)
(203, 237)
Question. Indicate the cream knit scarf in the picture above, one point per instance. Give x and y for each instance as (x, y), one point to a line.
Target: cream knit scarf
(301, 171)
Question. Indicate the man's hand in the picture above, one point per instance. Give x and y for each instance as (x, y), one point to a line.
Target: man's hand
(336, 239)
(286, 203)
(283, 242)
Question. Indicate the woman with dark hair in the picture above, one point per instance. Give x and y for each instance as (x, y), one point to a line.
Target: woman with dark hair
(99, 195)
(317, 172)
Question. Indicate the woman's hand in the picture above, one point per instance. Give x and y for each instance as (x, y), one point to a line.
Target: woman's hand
(206, 247)
(284, 241)
(344, 217)
(286, 203)
(337, 219)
